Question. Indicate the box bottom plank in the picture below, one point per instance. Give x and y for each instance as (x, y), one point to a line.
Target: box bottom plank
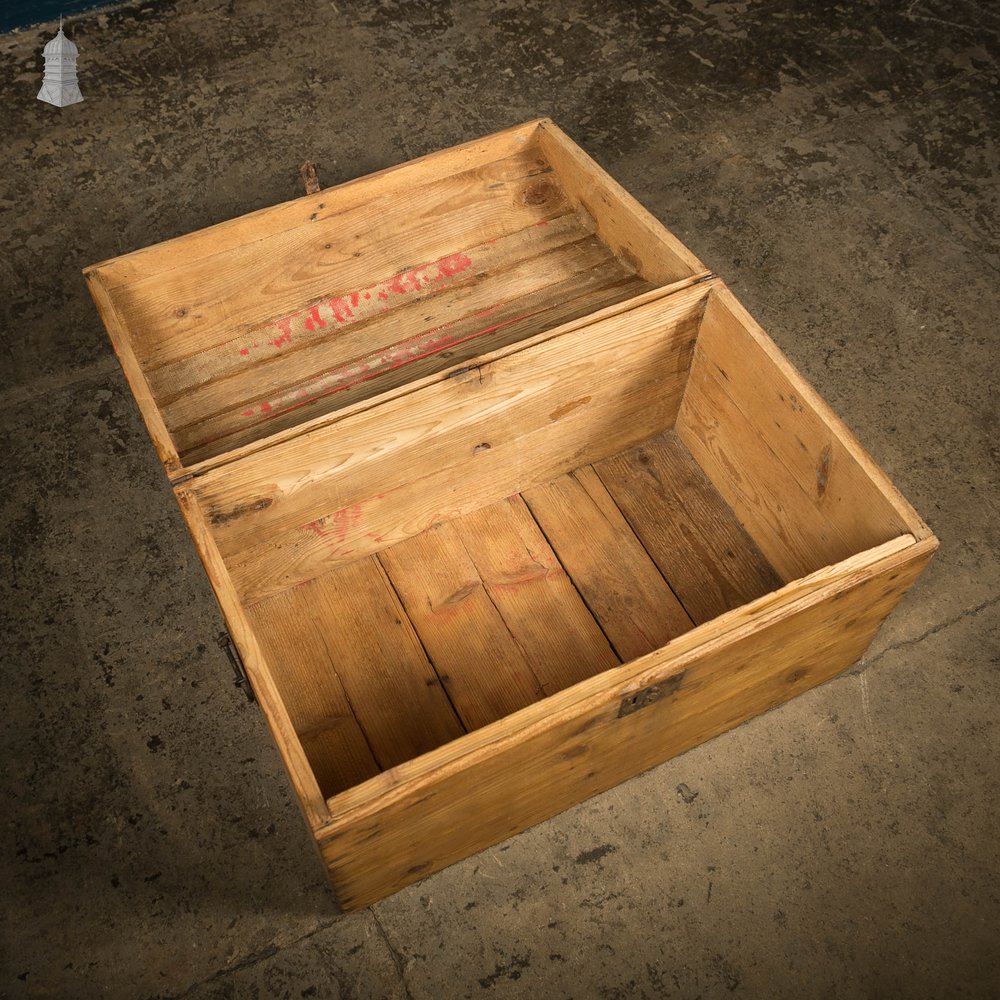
(475, 618)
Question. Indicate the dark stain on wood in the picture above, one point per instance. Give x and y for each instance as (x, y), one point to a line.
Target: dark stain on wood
(218, 517)
(539, 193)
(823, 472)
(561, 411)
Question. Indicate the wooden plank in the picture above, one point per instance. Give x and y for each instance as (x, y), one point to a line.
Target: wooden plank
(535, 281)
(393, 690)
(633, 297)
(479, 662)
(539, 604)
(631, 231)
(384, 474)
(840, 479)
(623, 589)
(394, 180)
(437, 350)
(384, 836)
(709, 560)
(795, 536)
(259, 669)
(195, 306)
(292, 636)
(338, 328)
(134, 374)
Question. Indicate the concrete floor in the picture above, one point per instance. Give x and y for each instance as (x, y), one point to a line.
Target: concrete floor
(837, 164)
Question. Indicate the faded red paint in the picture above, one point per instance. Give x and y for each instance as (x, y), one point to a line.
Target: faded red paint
(345, 376)
(341, 310)
(333, 529)
(313, 320)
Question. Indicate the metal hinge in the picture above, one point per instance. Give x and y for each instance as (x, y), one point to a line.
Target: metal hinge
(225, 641)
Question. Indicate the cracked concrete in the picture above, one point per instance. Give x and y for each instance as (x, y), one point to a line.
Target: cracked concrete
(837, 164)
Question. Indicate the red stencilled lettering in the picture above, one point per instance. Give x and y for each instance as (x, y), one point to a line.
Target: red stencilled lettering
(360, 370)
(333, 529)
(313, 320)
(342, 310)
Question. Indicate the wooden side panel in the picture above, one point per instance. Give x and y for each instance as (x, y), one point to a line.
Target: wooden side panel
(342, 491)
(385, 836)
(479, 662)
(294, 641)
(628, 228)
(258, 668)
(622, 587)
(790, 469)
(134, 374)
(710, 562)
(530, 589)
(303, 212)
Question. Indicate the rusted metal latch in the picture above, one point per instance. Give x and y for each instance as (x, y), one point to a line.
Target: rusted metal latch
(309, 179)
(225, 640)
(662, 689)
(633, 702)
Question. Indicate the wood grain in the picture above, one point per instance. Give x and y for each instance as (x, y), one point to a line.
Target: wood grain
(382, 837)
(359, 327)
(479, 661)
(612, 571)
(538, 602)
(709, 560)
(629, 229)
(393, 690)
(293, 637)
(839, 479)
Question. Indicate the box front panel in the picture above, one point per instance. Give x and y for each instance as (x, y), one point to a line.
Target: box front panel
(531, 772)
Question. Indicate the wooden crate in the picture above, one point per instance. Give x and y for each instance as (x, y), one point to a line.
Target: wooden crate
(504, 496)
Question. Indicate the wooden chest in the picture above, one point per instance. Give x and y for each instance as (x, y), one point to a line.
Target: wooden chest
(504, 496)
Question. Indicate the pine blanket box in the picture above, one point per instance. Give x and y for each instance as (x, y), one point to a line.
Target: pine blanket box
(504, 497)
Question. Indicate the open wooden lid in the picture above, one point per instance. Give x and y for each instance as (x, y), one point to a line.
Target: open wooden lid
(253, 330)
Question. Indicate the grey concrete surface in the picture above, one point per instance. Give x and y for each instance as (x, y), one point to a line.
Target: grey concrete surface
(837, 164)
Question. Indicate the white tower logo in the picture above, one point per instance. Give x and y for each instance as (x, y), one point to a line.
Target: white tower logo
(59, 86)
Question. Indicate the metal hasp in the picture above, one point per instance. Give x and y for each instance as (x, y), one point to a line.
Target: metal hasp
(225, 641)
(633, 702)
